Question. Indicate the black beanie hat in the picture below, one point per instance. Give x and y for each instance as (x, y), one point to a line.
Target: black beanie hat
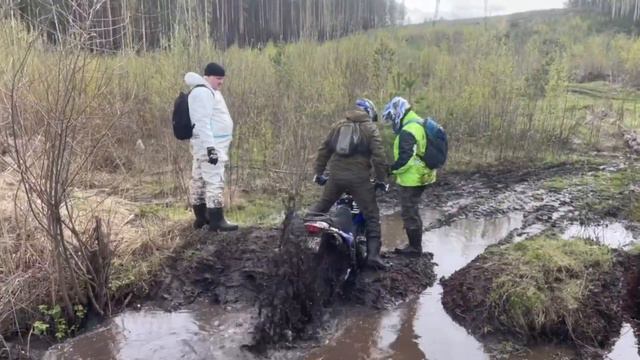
(213, 69)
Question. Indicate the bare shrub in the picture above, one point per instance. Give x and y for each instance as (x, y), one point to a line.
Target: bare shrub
(58, 121)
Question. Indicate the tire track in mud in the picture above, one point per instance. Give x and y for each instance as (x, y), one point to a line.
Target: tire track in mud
(495, 193)
(463, 197)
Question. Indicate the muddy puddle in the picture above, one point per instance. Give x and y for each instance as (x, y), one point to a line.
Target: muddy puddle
(417, 329)
(626, 348)
(201, 331)
(613, 235)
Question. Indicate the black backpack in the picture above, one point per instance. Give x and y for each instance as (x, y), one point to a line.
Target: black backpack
(182, 125)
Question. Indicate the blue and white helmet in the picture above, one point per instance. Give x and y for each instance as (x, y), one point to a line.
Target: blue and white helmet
(394, 111)
(369, 107)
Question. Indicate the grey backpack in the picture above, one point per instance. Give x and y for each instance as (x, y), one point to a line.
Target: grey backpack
(346, 139)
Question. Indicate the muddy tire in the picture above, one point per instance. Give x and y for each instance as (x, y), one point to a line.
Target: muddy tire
(361, 253)
(327, 244)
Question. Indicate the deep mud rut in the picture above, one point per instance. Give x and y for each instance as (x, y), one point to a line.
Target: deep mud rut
(289, 302)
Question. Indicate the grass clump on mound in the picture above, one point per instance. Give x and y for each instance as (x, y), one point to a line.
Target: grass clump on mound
(544, 282)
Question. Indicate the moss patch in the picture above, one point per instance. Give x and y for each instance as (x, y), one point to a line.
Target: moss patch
(545, 279)
(543, 288)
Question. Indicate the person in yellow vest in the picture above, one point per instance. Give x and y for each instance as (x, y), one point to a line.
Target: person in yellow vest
(411, 173)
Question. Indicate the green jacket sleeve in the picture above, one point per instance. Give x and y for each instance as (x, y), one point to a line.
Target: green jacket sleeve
(377, 154)
(324, 154)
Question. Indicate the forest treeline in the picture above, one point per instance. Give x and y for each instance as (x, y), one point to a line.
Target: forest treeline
(615, 8)
(152, 24)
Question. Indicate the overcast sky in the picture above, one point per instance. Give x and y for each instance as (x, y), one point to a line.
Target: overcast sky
(456, 9)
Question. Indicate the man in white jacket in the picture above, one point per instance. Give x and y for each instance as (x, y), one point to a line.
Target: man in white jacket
(212, 134)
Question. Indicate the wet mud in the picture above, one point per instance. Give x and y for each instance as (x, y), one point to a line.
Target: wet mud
(492, 193)
(291, 283)
(613, 298)
(305, 283)
(220, 268)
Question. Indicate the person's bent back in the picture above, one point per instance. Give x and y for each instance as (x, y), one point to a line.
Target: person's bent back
(368, 151)
(351, 149)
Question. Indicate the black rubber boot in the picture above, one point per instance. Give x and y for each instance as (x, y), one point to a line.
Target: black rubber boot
(200, 211)
(217, 222)
(414, 248)
(373, 254)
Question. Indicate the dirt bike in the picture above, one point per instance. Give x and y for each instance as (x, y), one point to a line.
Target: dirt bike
(344, 231)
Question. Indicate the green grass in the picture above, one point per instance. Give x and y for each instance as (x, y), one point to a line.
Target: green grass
(633, 212)
(130, 276)
(257, 211)
(544, 279)
(635, 249)
(171, 212)
(266, 209)
(621, 102)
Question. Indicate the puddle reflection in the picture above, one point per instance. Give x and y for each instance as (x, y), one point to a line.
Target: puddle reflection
(204, 332)
(613, 235)
(626, 347)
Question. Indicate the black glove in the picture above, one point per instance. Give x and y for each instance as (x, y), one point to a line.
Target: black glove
(320, 179)
(380, 186)
(212, 155)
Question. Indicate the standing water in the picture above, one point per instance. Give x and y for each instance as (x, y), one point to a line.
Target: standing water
(422, 329)
(201, 332)
(613, 235)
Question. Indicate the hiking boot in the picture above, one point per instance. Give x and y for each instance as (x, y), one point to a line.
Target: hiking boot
(217, 222)
(200, 211)
(373, 255)
(414, 248)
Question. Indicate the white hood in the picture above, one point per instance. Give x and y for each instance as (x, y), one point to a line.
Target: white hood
(192, 79)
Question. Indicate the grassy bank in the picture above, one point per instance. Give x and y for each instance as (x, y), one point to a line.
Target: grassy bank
(542, 289)
(544, 283)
